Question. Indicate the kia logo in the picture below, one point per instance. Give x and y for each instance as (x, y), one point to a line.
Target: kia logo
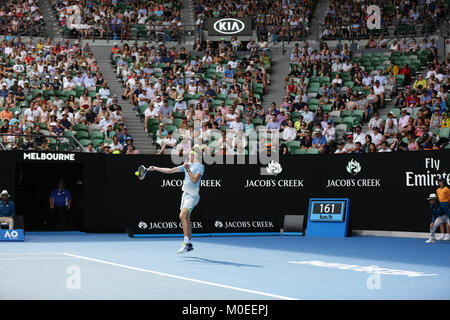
(229, 26)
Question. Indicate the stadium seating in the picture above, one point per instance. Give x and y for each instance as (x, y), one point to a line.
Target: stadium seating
(48, 94)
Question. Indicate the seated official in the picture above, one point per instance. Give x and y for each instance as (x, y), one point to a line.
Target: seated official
(7, 210)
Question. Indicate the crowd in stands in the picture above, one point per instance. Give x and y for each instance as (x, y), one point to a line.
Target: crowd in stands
(332, 94)
(346, 19)
(273, 19)
(53, 91)
(331, 97)
(120, 19)
(182, 96)
(18, 16)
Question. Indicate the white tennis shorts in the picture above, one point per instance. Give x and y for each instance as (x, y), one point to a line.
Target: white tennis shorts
(189, 201)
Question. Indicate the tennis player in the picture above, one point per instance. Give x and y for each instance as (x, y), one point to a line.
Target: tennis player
(193, 172)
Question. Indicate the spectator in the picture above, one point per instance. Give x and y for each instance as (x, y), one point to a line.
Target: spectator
(384, 147)
(290, 133)
(168, 143)
(412, 143)
(319, 141)
(116, 147)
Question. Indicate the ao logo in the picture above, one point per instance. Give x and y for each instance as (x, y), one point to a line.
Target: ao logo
(218, 224)
(229, 26)
(13, 234)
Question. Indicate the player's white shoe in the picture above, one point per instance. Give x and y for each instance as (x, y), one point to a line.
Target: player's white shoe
(185, 247)
(431, 240)
(447, 237)
(440, 237)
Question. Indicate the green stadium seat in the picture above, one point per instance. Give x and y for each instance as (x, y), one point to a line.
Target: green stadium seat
(96, 142)
(152, 122)
(177, 122)
(68, 133)
(96, 135)
(84, 142)
(396, 112)
(82, 135)
(300, 151)
(80, 127)
(176, 115)
(312, 151)
(346, 113)
(292, 145)
(444, 133)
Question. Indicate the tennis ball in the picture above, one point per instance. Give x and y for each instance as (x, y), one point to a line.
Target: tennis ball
(137, 173)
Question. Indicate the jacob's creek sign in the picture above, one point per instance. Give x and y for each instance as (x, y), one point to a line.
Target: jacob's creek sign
(49, 156)
(203, 183)
(353, 168)
(167, 225)
(229, 26)
(272, 183)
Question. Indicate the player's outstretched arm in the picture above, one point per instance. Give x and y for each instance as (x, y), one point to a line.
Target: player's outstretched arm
(163, 170)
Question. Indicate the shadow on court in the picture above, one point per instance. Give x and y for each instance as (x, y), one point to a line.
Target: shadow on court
(225, 263)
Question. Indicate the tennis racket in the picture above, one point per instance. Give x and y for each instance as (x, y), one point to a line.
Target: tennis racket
(142, 172)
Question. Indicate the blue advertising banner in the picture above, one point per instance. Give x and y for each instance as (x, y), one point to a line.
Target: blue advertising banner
(12, 235)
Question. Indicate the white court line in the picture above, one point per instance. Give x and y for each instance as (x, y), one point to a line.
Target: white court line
(30, 254)
(55, 258)
(368, 269)
(181, 278)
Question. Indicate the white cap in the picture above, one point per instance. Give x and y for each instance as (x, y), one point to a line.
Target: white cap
(432, 196)
(4, 192)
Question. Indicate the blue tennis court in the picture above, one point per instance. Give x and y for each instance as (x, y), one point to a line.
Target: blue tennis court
(114, 266)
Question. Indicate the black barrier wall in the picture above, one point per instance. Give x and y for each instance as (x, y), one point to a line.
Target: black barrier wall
(387, 191)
